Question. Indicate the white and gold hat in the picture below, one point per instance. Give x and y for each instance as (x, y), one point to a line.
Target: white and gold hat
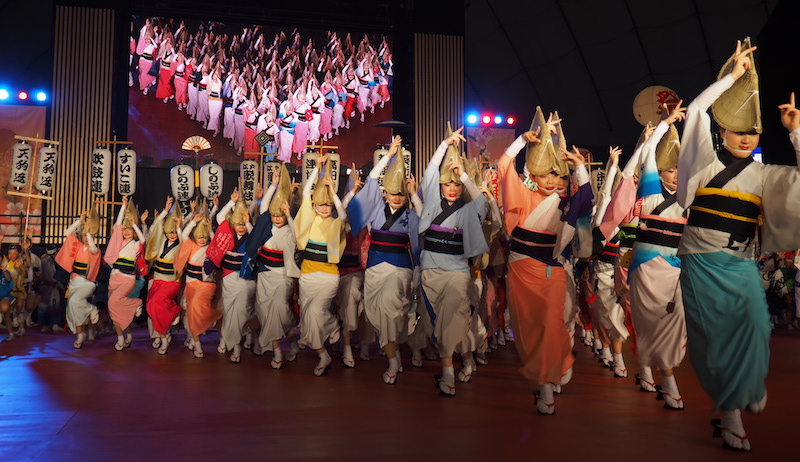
(283, 193)
(445, 174)
(738, 109)
(394, 180)
(668, 149)
(541, 158)
(323, 194)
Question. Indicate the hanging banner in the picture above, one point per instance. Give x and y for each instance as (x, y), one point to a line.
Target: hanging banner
(101, 171)
(21, 165)
(210, 180)
(126, 171)
(47, 168)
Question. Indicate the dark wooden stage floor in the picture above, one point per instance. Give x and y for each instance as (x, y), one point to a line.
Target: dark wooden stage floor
(97, 404)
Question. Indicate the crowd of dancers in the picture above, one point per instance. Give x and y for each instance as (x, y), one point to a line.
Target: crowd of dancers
(243, 83)
(660, 255)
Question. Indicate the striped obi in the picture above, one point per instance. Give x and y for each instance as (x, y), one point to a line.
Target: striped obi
(270, 258)
(232, 262)
(656, 230)
(163, 266)
(444, 240)
(387, 241)
(124, 265)
(610, 251)
(728, 211)
(194, 271)
(316, 251)
(627, 235)
(538, 245)
(80, 268)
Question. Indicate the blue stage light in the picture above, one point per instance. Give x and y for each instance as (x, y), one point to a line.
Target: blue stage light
(472, 118)
(41, 96)
(498, 120)
(3, 93)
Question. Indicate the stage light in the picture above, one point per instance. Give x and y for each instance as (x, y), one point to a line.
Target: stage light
(41, 96)
(486, 119)
(472, 118)
(22, 95)
(511, 120)
(3, 93)
(498, 120)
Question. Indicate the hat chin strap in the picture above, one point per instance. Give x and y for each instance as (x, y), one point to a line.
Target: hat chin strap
(729, 148)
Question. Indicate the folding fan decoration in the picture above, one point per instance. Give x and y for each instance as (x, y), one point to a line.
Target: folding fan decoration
(196, 143)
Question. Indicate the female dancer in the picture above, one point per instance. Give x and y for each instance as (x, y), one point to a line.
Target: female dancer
(393, 252)
(321, 238)
(541, 223)
(125, 255)
(453, 233)
(726, 309)
(272, 247)
(80, 256)
(200, 286)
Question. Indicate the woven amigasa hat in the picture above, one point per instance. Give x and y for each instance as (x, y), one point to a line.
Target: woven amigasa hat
(394, 180)
(169, 222)
(560, 142)
(445, 174)
(540, 158)
(667, 150)
(92, 225)
(202, 229)
(738, 109)
(283, 193)
(131, 216)
(323, 194)
(239, 215)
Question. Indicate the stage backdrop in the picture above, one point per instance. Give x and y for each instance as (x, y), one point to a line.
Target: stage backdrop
(488, 142)
(24, 121)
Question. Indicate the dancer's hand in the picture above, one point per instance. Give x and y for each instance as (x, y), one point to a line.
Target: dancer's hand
(741, 60)
(790, 116)
(532, 136)
(411, 185)
(455, 137)
(677, 115)
(613, 154)
(573, 158)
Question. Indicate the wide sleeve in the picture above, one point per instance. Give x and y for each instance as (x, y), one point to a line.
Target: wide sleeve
(430, 189)
(697, 148)
(363, 206)
(517, 198)
(780, 202)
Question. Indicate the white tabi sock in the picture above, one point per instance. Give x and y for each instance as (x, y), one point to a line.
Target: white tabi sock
(277, 354)
(598, 345)
(120, 339)
(394, 365)
(324, 358)
(607, 353)
(448, 375)
(348, 352)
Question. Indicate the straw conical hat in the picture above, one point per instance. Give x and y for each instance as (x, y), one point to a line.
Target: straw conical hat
(667, 150)
(283, 193)
(394, 181)
(92, 225)
(540, 158)
(202, 229)
(239, 215)
(323, 194)
(169, 222)
(560, 142)
(738, 109)
(445, 174)
(131, 216)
